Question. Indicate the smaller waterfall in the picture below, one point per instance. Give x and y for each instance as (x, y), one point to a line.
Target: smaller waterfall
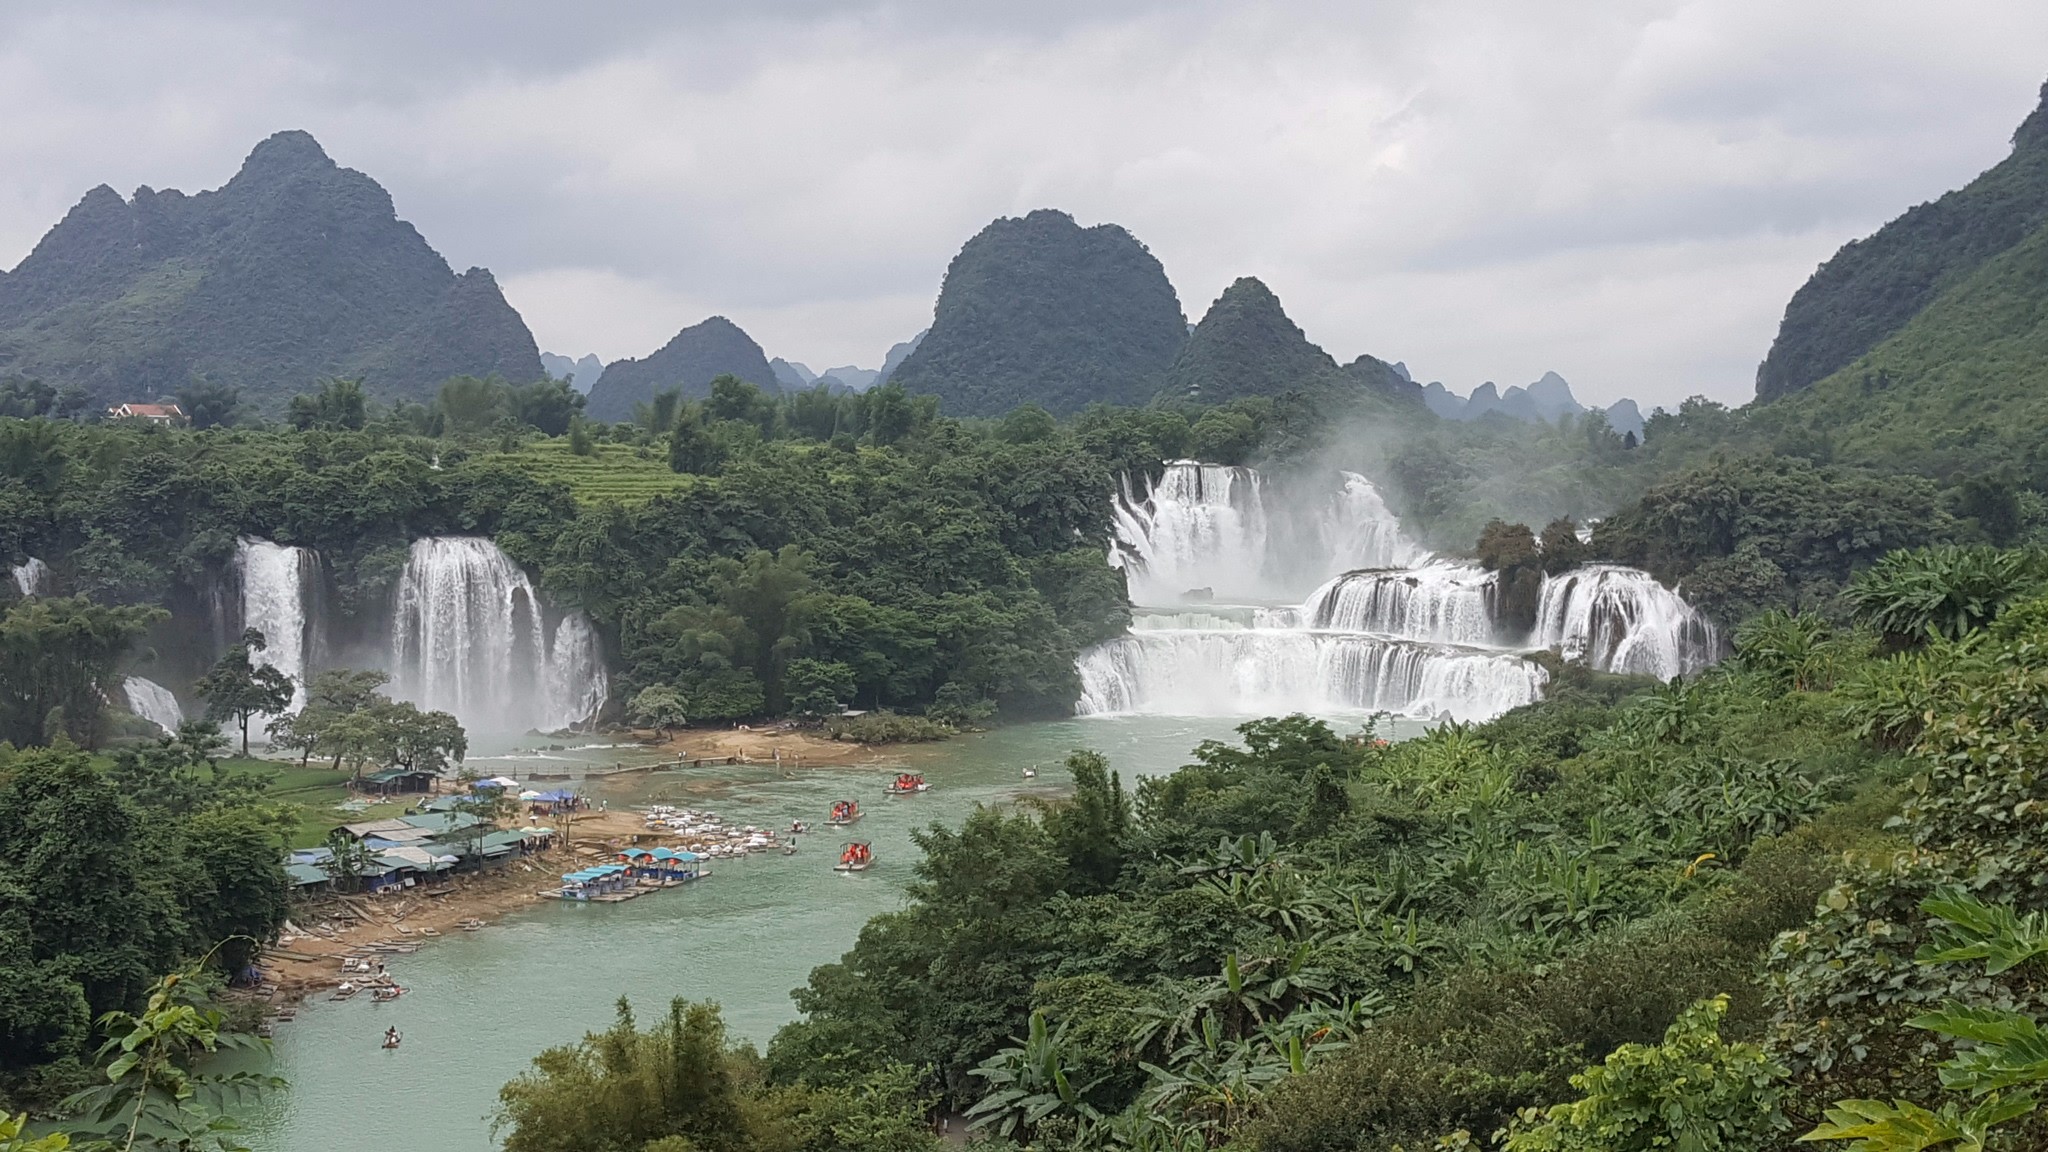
(470, 637)
(1621, 620)
(1250, 672)
(153, 702)
(277, 582)
(577, 681)
(32, 577)
(1443, 603)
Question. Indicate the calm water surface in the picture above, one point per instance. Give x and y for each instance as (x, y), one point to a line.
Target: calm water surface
(483, 1004)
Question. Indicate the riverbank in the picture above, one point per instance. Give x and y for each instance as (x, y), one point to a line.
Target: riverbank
(784, 744)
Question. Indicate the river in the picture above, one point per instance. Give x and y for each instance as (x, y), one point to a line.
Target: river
(482, 1005)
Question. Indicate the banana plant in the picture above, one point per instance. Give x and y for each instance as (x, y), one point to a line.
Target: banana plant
(1030, 1083)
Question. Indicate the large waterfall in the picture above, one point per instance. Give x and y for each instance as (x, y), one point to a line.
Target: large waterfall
(32, 577)
(470, 636)
(1217, 559)
(278, 582)
(1221, 532)
(153, 702)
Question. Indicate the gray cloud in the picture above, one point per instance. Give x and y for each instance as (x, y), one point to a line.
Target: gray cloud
(1624, 192)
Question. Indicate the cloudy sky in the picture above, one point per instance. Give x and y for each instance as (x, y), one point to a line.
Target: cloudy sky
(1625, 191)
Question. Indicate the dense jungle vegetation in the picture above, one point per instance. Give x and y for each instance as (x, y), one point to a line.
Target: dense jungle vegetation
(1309, 941)
(1793, 895)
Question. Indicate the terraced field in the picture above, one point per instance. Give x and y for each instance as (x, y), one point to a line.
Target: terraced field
(610, 472)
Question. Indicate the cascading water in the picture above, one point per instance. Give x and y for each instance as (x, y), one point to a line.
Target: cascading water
(1221, 532)
(1444, 603)
(1621, 620)
(153, 702)
(1395, 631)
(1411, 640)
(32, 577)
(470, 637)
(277, 583)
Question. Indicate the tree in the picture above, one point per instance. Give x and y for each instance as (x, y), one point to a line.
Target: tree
(210, 405)
(818, 687)
(420, 741)
(470, 404)
(659, 706)
(238, 689)
(55, 653)
(692, 449)
(340, 405)
(322, 725)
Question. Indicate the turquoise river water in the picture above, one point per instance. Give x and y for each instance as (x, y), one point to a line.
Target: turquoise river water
(482, 1005)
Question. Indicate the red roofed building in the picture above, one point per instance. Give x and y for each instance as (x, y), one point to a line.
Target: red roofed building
(153, 413)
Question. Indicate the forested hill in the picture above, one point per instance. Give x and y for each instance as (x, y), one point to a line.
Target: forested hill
(1246, 345)
(294, 270)
(1874, 286)
(688, 363)
(1039, 310)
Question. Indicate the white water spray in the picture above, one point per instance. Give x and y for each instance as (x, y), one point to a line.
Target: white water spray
(32, 577)
(277, 583)
(470, 637)
(1388, 629)
(1621, 620)
(154, 703)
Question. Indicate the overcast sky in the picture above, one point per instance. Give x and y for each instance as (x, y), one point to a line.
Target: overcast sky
(1625, 192)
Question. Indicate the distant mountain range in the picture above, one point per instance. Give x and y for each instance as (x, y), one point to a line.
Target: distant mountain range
(299, 269)
(1548, 400)
(294, 270)
(581, 374)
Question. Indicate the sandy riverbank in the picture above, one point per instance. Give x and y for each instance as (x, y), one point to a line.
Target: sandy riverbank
(798, 747)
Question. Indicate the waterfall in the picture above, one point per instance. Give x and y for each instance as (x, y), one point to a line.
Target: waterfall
(470, 637)
(1621, 620)
(1225, 533)
(1389, 628)
(1446, 603)
(1250, 672)
(32, 577)
(1203, 526)
(278, 582)
(154, 703)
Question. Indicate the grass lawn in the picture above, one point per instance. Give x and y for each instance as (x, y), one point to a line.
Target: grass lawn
(315, 791)
(610, 472)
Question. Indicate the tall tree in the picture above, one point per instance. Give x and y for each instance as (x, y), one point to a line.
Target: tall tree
(55, 655)
(237, 688)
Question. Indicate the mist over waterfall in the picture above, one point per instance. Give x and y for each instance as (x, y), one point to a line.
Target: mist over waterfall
(153, 702)
(470, 636)
(1218, 559)
(278, 583)
(1230, 532)
(32, 577)
(1621, 620)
